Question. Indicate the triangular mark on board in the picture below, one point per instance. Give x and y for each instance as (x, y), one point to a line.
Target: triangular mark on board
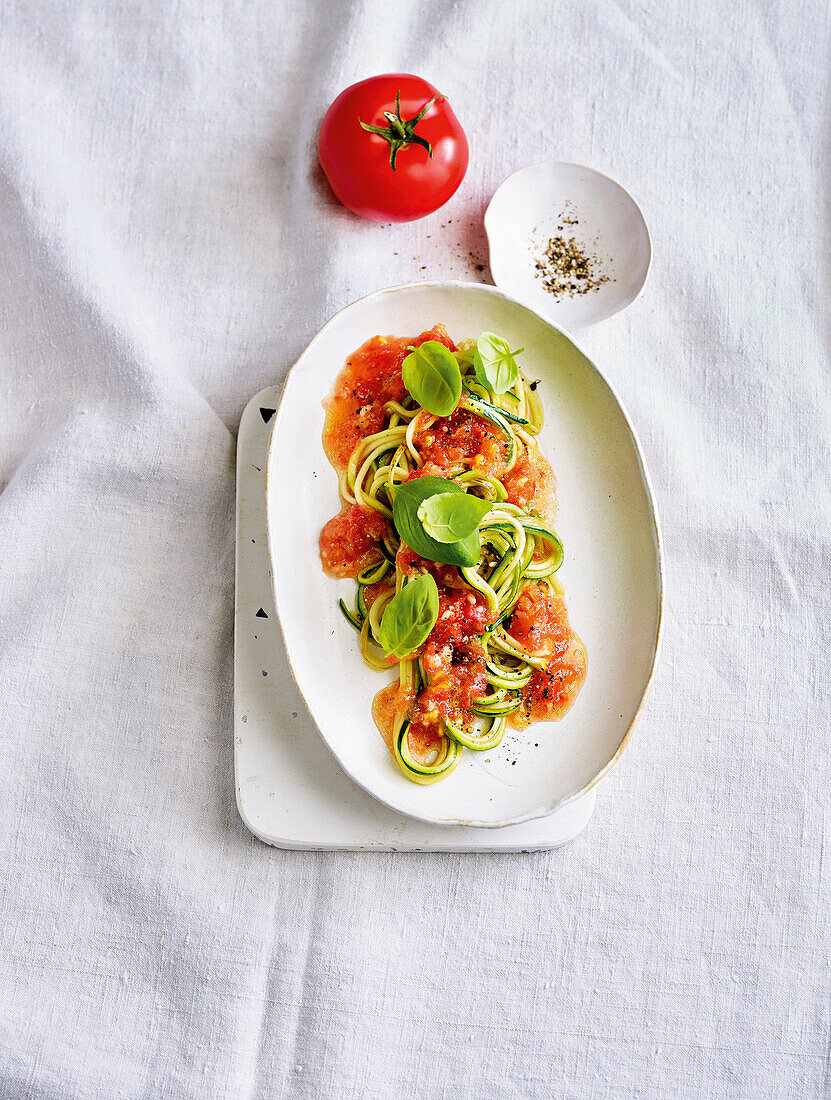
(261, 614)
(267, 414)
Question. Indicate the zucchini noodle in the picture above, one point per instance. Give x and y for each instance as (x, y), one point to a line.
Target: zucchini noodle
(517, 548)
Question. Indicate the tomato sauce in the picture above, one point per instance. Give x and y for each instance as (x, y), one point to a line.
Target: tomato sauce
(462, 441)
(540, 623)
(371, 377)
(387, 702)
(350, 540)
(454, 658)
(423, 740)
(531, 485)
(411, 564)
(460, 677)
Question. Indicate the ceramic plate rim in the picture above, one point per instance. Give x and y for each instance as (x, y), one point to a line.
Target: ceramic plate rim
(605, 317)
(538, 811)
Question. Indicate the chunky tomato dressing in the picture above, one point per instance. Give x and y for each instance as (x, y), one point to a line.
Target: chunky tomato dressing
(423, 739)
(531, 485)
(463, 441)
(387, 702)
(454, 658)
(410, 564)
(350, 540)
(371, 377)
(540, 622)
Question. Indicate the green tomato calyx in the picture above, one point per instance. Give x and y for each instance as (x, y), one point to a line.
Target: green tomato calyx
(401, 132)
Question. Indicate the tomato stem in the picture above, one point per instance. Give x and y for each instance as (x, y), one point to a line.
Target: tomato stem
(401, 132)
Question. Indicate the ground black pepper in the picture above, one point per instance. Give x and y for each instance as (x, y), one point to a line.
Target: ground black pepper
(565, 265)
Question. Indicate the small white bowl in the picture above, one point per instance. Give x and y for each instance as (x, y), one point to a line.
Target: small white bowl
(540, 202)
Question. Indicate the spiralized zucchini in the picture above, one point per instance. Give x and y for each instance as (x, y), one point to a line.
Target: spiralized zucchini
(517, 547)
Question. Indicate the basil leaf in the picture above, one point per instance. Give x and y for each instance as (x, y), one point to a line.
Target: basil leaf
(494, 362)
(410, 616)
(405, 507)
(432, 376)
(449, 517)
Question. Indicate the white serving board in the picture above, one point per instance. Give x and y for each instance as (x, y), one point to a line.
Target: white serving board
(290, 790)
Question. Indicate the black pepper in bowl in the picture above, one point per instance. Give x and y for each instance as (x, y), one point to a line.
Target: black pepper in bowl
(566, 266)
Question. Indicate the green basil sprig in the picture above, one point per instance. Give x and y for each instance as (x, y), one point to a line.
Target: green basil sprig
(450, 517)
(405, 505)
(494, 362)
(432, 377)
(410, 616)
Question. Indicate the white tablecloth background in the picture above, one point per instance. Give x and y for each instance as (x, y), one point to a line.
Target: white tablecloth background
(168, 248)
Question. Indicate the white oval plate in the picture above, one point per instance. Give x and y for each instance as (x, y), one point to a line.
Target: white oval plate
(612, 569)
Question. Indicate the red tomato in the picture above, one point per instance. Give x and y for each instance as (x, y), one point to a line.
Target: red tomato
(385, 162)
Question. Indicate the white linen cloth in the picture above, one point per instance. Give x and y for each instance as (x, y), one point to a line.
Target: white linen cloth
(169, 247)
